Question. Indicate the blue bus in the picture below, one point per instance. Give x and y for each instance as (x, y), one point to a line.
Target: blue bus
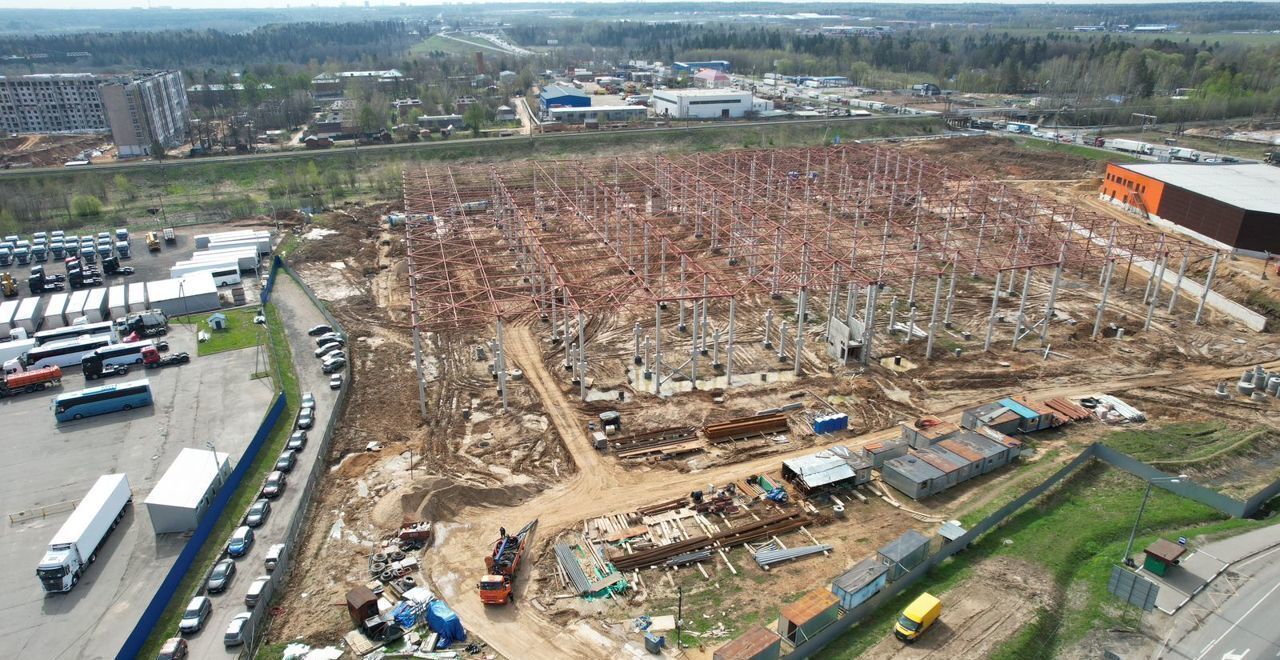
(102, 400)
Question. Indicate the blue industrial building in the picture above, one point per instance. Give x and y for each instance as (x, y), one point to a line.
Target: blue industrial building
(694, 67)
(557, 96)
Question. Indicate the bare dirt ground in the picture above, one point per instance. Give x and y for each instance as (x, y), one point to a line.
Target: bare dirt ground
(986, 609)
(51, 150)
(1001, 158)
(472, 468)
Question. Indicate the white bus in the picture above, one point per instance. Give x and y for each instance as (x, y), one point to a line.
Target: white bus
(68, 353)
(73, 331)
(224, 274)
(130, 353)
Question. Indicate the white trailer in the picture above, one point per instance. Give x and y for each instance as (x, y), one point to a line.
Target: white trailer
(75, 305)
(246, 258)
(1131, 146)
(202, 240)
(12, 350)
(137, 297)
(7, 309)
(77, 542)
(95, 306)
(29, 315)
(261, 241)
(224, 274)
(54, 316)
(117, 301)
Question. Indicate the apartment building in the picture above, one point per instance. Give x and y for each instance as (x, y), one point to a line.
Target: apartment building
(146, 109)
(51, 103)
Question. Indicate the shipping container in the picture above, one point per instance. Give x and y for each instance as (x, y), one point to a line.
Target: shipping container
(29, 315)
(54, 316)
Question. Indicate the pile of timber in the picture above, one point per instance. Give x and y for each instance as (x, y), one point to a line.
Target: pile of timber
(755, 531)
(662, 507)
(662, 443)
(745, 427)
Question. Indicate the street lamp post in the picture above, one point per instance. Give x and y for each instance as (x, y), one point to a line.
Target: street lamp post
(217, 465)
(1128, 561)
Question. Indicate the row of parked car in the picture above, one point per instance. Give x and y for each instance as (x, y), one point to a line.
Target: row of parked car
(331, 351)
(242, 539)
(15, 249)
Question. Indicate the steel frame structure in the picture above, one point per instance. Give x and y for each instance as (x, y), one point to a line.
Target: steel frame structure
(558, 240)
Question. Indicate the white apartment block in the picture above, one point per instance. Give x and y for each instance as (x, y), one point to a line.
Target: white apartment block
(51, 103)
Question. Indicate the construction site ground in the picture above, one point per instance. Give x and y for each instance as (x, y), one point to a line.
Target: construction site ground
(472, 468)
(53, 150)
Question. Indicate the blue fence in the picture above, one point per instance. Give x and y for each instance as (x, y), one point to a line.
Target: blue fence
(168, 589)
(265, 294)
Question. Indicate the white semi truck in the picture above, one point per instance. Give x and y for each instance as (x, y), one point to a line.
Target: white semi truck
(1131, 146)
(77, 542)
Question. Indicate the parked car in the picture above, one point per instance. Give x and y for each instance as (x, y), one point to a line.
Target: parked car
(287, 460)
(197, 612)
(327, 349)
(332, 366)
(306, 418)
(235, 630)
(335, 382)
(336, 355)
(240, 541)
(318, 330)
(308, 400)
(297, 441)
(274, 486)
(330, 338)
(175, 648)
(256, 590)
(331, 335)
(221, 576)
(273, 557)
(258, 513)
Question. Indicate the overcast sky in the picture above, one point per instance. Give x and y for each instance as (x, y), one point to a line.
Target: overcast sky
(235, 4)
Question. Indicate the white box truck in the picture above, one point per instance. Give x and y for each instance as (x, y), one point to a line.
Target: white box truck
(76, 544)
(1182, 153)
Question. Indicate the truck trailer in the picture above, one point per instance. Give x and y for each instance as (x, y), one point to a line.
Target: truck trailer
(77, 542)
(30, 381)
(1131, 146)
(29, 315)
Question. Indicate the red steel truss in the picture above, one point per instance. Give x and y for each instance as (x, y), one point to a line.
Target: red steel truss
(567, 237)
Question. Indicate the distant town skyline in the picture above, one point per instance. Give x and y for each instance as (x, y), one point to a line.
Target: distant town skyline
(358, 4)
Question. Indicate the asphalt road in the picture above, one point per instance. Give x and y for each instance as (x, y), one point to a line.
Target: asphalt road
(46, 464)
(1244, 627)
(588, 136)
(299, 315)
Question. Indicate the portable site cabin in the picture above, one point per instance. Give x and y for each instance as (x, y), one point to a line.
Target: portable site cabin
(800, 621)
(864, 580)
(95, 306)
(879, 452)
(29, 315)
(915, 478)
(955, 468)
(1007, 416)
(756, 643)
(186, 489)
(117, 301)
(137, 297)
(54, 311)
(926, 431)
(904, 553)
(986, 454)
(190, 294)
(7, 309)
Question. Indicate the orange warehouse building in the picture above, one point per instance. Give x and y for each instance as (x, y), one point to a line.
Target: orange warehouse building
(1236, 206)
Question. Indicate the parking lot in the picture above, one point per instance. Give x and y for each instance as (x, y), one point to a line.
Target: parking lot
(299, 315)
(212, 399)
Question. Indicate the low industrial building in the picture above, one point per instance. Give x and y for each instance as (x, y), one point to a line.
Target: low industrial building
(559, 96)
(1228, 206)
(690, 67)
(864, 580)
(946, 455)
(707, 103)
(800, 621)
(439, 122)
(756, 643)
(600, 114)
(711, 79)
(879, 452)
(187, 488)
(836, 466)
(925, 431)
(915, 478)
(904, 553)
(1008, 415)
(189, 294)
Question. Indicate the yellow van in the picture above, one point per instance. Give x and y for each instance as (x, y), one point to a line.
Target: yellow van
(917, 618)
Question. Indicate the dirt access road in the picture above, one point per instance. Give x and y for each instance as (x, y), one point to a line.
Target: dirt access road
(601, 486)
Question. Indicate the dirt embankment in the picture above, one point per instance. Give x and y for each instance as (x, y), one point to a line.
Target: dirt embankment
(1001, 158)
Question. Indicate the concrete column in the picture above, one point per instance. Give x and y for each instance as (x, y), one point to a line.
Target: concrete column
(1156, 278)
(1048, 308)
(933, 316)
(417, 363)
(1208, 284)
(991, 318)
(1107, 270)
(951, 297)
(1177, 285)
(728, 350)
(799, 343)
(1022, 306)
(656, 367)
(500, 365)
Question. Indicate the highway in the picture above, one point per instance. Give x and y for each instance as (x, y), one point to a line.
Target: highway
(583, 136)
(1244, 626)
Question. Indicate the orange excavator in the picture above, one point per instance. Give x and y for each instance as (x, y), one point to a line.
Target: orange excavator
(497, 587)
